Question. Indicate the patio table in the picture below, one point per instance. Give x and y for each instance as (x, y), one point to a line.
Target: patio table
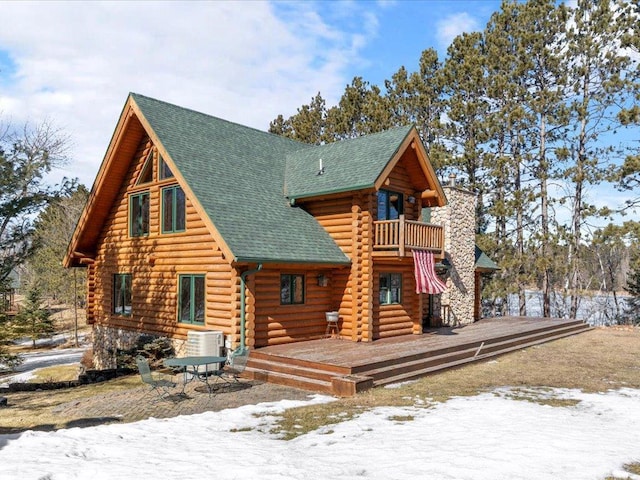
(190, 367)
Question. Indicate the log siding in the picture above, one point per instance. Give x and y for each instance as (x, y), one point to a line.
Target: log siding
(155, 261)
(351, 221)
(277, 323)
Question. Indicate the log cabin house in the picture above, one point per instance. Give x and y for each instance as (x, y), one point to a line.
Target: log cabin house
(197, 223)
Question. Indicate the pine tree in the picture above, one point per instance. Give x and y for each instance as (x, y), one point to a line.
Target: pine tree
(544, 72)
(53, 230)
(362, 110)
(467, 106)
(7, 335)
(597, 86)
(32, 320)
(307, 125)
(509, 194)
(417, 98)
(632, 310)
(628, 175)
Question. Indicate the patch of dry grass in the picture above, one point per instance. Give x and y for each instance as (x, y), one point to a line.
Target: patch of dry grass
(633, 468)
(59, 373)
(36, 410)
(595, 361)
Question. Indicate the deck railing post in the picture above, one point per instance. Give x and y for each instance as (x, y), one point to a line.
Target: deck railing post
(401, 231)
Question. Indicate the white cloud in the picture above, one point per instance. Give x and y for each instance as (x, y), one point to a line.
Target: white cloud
(247, 62)
(450, 27)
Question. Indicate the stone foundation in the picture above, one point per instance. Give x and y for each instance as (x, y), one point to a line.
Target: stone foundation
(108, 340)
(458, 220)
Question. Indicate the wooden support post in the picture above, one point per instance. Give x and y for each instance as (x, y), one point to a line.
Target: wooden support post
(401, 233)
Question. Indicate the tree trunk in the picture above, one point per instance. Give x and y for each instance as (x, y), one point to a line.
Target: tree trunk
(578, 201)
(544, 209)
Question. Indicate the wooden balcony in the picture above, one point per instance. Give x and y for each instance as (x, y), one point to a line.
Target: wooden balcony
(396, 237)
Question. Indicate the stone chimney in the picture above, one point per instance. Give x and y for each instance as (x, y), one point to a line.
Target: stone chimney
(458, 220)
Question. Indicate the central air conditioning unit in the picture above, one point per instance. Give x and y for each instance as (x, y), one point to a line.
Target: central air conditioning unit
(205, 344)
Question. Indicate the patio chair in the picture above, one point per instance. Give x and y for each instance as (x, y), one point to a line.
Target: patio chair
(161, 386)
(234, 366)
(236, 363)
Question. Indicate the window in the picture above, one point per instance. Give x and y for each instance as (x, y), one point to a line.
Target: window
(426, 215)
(139, 214)
(164, 171)
(173, 210)
(146, 175)
(191, 299)
(390, 288)
(291, 289)
(122, 294)
(390, 205)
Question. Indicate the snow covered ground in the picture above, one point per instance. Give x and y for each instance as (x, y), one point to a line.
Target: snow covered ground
(36, 360)
(489, 436)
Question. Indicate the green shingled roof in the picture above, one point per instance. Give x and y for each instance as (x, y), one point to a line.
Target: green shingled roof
(348, 165)
(483, 262)
(237, 175)
(244, 178)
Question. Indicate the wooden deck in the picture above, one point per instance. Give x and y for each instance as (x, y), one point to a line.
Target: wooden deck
(342, 367)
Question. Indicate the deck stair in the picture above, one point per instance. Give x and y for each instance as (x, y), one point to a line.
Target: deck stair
(344, 368)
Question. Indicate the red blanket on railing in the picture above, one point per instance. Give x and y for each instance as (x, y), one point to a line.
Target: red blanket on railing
(427, 280)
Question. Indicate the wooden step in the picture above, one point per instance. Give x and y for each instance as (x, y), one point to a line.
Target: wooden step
(479, 351)
(413, 374)
(396, 367)
(281, 365)
(401, 359)
(295, 381)
(257, 355)
(445, 355)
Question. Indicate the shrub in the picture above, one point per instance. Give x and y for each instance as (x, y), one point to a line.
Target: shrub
(155, 349)
(87, 359)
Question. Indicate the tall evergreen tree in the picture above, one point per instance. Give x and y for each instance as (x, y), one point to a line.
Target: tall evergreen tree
(467, 106)
(510, 196)
(361, 110)
(628, 175)
(7, 333)
(53, 230)
(417, 98)
(597, 86)
(632, 310)
(33, 320)
(545, 80)
(307, 125)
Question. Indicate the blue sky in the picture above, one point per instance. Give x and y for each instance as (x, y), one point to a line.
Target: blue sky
(243, 61)
(73, 63)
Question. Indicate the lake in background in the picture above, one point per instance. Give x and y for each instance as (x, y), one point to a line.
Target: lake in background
(596, 310)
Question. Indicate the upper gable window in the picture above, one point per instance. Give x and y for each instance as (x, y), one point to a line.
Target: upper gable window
(146, 175)
(173, 210)
(139, 214)
(164, 171)
(390, 205)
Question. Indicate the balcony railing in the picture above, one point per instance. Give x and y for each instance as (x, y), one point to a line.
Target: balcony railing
(400, 235)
